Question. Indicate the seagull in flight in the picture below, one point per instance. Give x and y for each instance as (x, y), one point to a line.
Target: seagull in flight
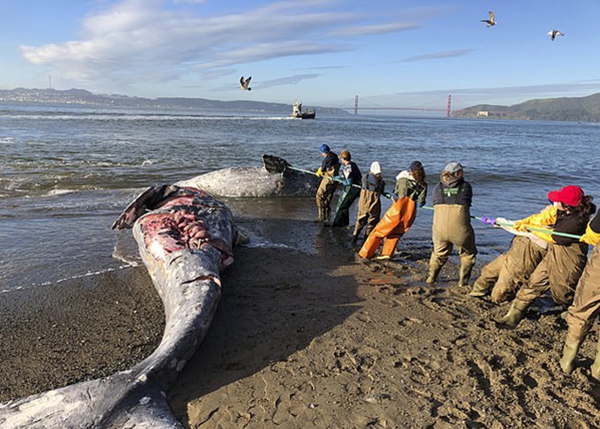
(491, 21)
(244, 84)
(554, 33)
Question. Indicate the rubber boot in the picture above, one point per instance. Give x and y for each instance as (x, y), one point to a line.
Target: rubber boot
(480, 288)
(515, 314)
(569, 353)
(433, 275)
(464, 275)
(320, 218)
(327, 214)
(596, 365)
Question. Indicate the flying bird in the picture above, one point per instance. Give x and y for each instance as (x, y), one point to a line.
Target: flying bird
(245, 84)
(491, 21)
(554, 33)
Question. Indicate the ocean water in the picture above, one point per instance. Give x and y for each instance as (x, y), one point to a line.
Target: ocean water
(66, 172)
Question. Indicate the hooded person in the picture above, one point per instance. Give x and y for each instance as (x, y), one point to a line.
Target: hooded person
(586, 304)
(565, 259)
(351, 178)
(369, 201)
(411, 187)
(411, 183)
(330, 166)
(452, 198)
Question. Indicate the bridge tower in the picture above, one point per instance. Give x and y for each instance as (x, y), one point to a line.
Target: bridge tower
(449, 106)
(356, 105)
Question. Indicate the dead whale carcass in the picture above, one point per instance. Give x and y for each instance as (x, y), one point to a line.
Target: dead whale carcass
(276, 178)
(185, 238)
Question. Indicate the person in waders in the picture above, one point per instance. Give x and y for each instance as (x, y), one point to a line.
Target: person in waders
(330, 167)
(411, 187)
(452, 198)
(369, 202)
(411, 183)
(586, 304)
(565, 259)
(351, 178)
(502, 277)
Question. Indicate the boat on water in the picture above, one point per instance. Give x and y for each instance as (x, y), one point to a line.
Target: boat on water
(299, 114)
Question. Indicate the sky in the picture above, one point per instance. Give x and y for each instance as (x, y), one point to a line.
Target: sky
(389, 53)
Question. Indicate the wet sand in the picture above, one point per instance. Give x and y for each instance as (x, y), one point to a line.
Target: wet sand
(314, 340)
(77, 330)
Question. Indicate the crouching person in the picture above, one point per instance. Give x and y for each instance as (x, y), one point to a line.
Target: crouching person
(563, 264)
(504, 276)
(586, 304)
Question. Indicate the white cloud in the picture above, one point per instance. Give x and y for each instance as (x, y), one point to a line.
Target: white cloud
(438, 55)
(384, 28)
(157, 41)
(289, 80)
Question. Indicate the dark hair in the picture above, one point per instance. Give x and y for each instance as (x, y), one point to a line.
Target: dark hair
(418, 172)
(585, 209)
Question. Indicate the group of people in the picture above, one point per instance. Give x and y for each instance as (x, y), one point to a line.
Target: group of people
(549, 251)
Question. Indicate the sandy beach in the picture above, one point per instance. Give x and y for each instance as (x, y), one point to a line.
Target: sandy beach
(313, 340)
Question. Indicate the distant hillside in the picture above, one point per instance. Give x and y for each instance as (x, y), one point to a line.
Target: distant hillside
(83, 97)
(578, 109)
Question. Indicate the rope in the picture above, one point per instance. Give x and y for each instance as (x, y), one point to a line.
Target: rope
(333, 179)
(387, 195)
(530, 228)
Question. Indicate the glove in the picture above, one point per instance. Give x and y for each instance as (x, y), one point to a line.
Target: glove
(319, 172)
(489, 220)
(338, 179)
(346, 182)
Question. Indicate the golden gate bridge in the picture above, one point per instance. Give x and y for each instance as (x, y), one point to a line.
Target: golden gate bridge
(448, 108)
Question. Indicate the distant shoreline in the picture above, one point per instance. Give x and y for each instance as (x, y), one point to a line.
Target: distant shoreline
(86, 98)
(564, 109)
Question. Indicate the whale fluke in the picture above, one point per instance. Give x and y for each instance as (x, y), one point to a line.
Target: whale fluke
(274, 164)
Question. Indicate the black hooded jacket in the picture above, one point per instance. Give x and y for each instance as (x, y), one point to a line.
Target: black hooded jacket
(456, 191)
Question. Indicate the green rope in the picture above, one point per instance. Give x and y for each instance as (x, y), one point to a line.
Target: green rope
(530, 228)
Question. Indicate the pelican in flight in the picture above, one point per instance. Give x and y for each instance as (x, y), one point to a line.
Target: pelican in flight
(491, 21)
(244, 84)
(554, 33)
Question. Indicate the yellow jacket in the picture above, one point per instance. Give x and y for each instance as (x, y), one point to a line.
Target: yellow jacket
(543, 219)
(590, 237)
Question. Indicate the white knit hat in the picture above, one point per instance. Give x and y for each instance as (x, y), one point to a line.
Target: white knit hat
(375, 168)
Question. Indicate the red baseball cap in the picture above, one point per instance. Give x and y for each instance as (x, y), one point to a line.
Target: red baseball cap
(569, 195)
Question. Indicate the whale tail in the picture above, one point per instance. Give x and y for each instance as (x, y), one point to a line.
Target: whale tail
(110, 402)
(275, 164)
